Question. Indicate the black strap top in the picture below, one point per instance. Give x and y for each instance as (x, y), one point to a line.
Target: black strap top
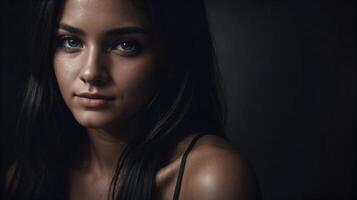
(182, 166)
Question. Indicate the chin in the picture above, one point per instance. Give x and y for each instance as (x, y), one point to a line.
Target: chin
(93, 119)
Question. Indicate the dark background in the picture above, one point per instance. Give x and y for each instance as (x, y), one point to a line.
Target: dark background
(289, 73)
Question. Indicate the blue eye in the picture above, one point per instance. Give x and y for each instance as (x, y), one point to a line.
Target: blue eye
(70, 43)
(128, 47)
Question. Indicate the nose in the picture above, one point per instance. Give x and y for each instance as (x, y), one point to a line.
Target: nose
(94, 71)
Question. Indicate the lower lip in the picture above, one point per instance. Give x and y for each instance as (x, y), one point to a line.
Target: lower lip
(93, 103)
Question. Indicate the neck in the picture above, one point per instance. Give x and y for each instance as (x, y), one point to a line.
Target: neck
(104, 149)
(104, 152)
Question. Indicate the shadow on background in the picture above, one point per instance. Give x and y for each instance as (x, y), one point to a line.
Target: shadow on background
(290, 75)
(289, 71)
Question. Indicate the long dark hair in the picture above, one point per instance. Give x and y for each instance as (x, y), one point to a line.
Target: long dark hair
(191, 102)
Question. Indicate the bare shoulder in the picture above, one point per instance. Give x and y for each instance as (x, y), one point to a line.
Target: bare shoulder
(216, 170)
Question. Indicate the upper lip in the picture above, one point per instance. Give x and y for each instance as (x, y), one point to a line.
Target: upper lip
(94, 96)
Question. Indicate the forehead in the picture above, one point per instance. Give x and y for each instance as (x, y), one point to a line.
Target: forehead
(101, 14)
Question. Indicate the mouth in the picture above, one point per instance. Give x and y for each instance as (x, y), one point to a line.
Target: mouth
(94, 100)
(95, 96)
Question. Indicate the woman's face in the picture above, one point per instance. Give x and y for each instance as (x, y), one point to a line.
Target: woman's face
(105, 61)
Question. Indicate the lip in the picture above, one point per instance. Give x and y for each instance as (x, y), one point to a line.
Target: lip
(94, 96)
(94, 100)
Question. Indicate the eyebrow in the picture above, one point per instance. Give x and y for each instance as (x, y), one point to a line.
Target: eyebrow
(115, 31)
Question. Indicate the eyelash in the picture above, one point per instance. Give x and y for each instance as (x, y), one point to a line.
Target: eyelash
(64, 42)
(134, 47)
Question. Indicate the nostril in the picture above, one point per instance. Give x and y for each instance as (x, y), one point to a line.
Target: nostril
(99, 82)
(94, 80)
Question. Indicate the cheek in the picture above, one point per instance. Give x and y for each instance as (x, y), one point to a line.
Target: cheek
(65, 71)
(138, 80)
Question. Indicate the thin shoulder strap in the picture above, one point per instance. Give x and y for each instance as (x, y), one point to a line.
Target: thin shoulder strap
(182, 166)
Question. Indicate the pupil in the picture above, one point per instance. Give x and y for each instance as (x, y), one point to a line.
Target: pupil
(72, 42)
(127, 46)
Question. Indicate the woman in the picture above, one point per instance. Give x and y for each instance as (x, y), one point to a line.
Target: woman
(123, 102)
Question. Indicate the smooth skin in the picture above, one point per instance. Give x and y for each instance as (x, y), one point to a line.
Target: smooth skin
(105, 47)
